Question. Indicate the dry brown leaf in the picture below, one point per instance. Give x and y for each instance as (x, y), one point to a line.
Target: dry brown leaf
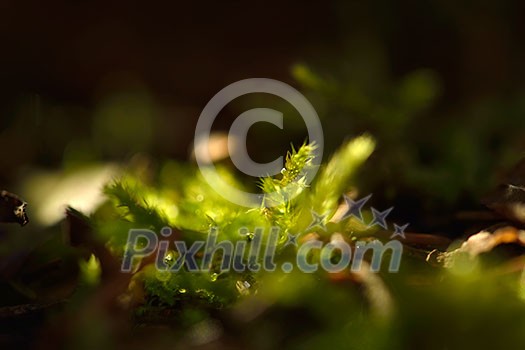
(12, 208)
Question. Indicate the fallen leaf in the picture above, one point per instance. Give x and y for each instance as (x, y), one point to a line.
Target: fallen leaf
(12, 208)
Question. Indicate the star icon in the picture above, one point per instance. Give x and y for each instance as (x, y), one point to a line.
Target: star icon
(318, 220)
(379, 217)
(291, 239)
(399, 231)
(354, 207)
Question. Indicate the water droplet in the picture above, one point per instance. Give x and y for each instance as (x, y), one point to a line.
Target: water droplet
(168, 258)
(243, 287)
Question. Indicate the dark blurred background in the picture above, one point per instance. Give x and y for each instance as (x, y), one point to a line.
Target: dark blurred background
(92, 81)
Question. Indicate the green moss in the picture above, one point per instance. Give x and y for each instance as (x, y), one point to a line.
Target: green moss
(179, 197)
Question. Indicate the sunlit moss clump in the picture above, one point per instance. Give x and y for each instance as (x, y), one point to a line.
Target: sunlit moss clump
(177, 196)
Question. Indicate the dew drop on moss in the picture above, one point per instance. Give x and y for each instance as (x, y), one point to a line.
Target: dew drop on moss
(214, 276)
